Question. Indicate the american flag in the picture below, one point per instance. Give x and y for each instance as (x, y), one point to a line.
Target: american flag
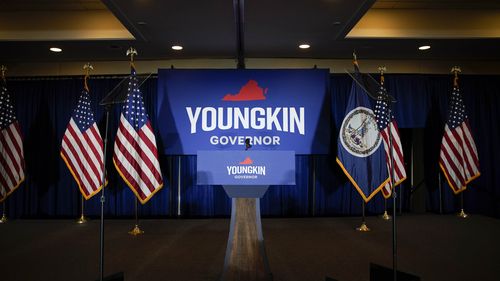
(11, 147)
(384, 122)
(82, 148)
(135, 153)
(458, 158)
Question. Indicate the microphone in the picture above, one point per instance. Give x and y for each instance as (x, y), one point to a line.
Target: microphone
(247, 144)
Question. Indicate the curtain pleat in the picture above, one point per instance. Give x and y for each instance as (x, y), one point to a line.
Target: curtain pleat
(44, 107)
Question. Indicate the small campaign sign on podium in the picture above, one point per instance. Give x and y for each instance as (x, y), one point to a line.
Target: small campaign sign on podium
(246, 176)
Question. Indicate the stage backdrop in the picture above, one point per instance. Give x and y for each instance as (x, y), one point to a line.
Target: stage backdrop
(219, 109)
(44, 106)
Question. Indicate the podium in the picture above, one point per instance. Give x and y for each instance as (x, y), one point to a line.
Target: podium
(245, 177)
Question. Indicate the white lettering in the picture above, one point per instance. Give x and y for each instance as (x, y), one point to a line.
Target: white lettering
(204, 119)
(254, 118)
(240, 140)
(243, 118)
(193, 119)
(229, 118)
(272, 118)
(252, 170)
(286, 119)
(296, 121)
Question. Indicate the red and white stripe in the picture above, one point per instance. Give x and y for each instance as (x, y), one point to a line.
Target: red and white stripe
(458, 157)
(83, 154)
(11, 160)
(397, 153)
(136, 159)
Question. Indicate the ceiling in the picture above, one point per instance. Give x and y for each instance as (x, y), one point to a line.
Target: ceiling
(383, 29)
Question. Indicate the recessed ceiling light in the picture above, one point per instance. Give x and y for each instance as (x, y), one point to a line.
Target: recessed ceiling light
(177, 47)
(424, 47)
(56, 50)
(304, 46)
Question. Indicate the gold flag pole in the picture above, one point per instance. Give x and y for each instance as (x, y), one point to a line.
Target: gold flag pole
(462, 214)
(4, 219)
(4, 215)
(383, 69)
(82, 218)
(456, 70)
(132, 52)
(363, 227)
(87, 67)
(386, 215)
(136, 230)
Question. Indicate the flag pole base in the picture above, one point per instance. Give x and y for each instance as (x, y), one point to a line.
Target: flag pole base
(462, 214)
(3, 219)
(82, 220)
(136, 231)
(386, 216)
(363, 228)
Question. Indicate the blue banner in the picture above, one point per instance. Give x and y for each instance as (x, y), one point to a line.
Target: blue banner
(220, 109)
(246, 167)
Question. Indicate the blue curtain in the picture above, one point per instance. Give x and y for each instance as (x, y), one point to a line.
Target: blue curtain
(44, 107)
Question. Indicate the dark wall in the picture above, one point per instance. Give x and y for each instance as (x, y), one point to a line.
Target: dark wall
(44, 107)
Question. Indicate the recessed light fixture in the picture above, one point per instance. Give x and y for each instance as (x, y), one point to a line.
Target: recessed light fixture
(55, 50)
(304, 46)
(424, 47)
(177, 47)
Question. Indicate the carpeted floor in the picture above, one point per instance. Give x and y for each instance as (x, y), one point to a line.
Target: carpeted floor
(437, 248)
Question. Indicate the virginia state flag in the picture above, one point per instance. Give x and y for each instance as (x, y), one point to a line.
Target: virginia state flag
(361, 152)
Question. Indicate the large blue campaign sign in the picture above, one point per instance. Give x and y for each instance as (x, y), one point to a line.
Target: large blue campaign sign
(246, 167)
(220, 109)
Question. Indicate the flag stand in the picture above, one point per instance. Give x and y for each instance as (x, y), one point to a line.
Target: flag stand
(389, 99)
(114, 97)
(393, 193)
(82, 218)
(136, 230)
(386, 215)
(103, 199)
(363, 227)
(371, 86)
(455, 70)
(462, 213)
(4, 215)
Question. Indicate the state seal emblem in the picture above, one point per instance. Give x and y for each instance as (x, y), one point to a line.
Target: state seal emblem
(359, 133)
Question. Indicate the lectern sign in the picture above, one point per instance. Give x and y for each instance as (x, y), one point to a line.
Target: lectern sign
(246, 167)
